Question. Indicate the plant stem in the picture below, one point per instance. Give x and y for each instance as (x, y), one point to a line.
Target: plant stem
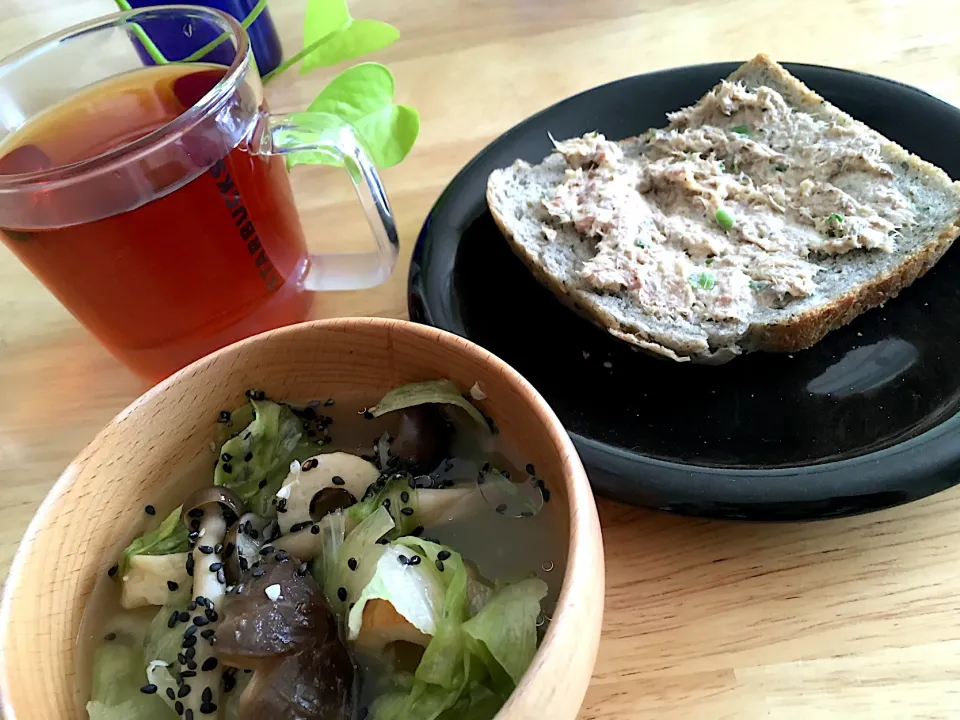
(152, 50)
(213, 44)
(298, 57)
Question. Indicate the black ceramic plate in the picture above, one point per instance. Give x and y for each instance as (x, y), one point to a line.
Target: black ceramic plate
(866, 419)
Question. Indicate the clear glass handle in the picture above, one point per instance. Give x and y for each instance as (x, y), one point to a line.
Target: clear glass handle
(336, 142)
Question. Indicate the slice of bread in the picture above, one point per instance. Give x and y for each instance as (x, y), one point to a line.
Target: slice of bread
(846, 286)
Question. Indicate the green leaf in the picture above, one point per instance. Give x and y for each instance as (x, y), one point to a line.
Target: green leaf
(362, 97)
(169, 538)
(504, 632)
(352, 40)
(391, 496)
(323, 17)
(443, 392)
(741, 130)
(269, 441)
(163, 642)
(119, 671)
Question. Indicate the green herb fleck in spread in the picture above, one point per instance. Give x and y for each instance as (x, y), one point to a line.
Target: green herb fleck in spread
(703, 280)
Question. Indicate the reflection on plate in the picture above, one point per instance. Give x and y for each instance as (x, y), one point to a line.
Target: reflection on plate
(863, 420)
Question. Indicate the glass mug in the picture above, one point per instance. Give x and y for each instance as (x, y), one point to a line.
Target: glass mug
(152, 198)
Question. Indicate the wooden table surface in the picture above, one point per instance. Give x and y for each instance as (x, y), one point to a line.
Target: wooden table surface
(854, 618)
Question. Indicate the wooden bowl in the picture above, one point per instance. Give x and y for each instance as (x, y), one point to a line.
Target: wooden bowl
(144, 455)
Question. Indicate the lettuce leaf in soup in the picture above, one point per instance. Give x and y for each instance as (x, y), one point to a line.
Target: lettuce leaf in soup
(261, 452)
(169, 538)
(119, 671)
(504, 633)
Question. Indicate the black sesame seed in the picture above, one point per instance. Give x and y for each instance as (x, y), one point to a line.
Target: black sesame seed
(192, 667)
(200, 621)
(178, 706)
(183, 691)
(262, 484)
(110, 637)
(171, 694)
(267, 549)
(188, 714)
(383, 541)
(439, 564)
(258, 572)
(221, 577)
(244, 565)
(182, 659)
(405, 496)
(215, 566)
(415, 560)
(417, 531)
(227, 468)
(191, 630)
(403, 559)
(113, 570)
(207, 695)
(352, 563)
(226, 457)
(229, 682)
(337, 480)
(248, 457)
(208, 708)
(172, 622)
(207, 634)
(212, 615)
(443, 555)
(196, 513)
(190, 653)
(315, 530)
(183, 616)
(531, 469)
(501, 508)
(342, 594)
(408, 511)
(282, 505)
(193, 534)
(224, 416)
(546, 494)
(150, 510)
(526, 514)
(282, 556)
(192, 605)
(189, 642)
(206, 549)
(172, 586)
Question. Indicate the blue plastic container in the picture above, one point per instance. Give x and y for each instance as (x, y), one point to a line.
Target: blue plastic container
(170, 39)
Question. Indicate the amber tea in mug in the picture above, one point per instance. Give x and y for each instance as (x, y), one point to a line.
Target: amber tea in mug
(181, 239)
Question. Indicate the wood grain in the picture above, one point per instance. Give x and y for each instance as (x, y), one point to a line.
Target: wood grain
(144, 456)
(852, 618)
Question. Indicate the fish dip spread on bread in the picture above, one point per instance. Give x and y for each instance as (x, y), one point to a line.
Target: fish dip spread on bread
(723, 209)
